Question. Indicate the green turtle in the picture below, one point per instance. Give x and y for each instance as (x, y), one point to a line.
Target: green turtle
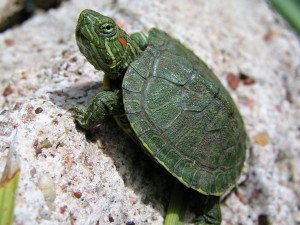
(169, 102)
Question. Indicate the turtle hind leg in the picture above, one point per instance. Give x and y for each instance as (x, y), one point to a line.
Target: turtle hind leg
(104, 104)
(211, 211)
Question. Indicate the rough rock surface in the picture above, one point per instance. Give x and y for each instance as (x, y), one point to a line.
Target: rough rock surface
(70, 177)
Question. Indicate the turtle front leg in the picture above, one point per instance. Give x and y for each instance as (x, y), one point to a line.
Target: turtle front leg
(211, 211)
(140, 39)
(104, 104)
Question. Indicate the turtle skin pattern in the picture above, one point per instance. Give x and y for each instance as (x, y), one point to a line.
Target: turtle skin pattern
(184, 117)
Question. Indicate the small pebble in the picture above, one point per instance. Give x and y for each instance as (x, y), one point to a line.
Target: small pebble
(248, 81)
(38, 110)
(63, 209)
(130, 223)
(233, 80)
(263, 219)
(47, 186)
(77, 194)
(111, 219)
(262, 139)
(45, 144)
(9, 42)
(7, 91)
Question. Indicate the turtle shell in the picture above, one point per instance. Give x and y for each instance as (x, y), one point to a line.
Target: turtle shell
(184, 117)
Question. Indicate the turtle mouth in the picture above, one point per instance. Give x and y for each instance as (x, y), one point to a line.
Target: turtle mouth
(84, 38)
(82, 41)
(80, 32)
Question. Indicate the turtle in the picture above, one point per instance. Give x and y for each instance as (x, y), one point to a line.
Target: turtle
(169, 102)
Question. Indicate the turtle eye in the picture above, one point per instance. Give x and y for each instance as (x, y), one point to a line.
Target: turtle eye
(106, 28)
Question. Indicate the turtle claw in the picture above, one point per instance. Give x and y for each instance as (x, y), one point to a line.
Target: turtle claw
(79, 115)
(76, 110)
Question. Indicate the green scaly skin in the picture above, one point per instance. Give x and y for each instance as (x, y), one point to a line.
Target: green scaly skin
(108, 48)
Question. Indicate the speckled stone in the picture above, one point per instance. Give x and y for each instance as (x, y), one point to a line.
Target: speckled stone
(42, 74)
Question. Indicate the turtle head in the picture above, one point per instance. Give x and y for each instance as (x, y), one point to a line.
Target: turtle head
(105, 45)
